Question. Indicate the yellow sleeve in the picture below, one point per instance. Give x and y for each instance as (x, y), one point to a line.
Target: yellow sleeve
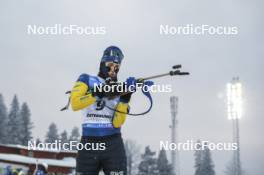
(120, 118)
(79, 96)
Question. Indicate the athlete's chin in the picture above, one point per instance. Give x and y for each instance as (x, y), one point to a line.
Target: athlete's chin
(113, 76)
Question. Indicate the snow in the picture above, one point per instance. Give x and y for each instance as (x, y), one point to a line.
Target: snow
(45, 150)
(66, 162)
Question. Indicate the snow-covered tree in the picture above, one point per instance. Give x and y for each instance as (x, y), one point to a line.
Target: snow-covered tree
(198, 159)
(75, 134)
(230, 169)
(38, 141)
(133, 156)
(14, 123)
(163, 165)
(207, 167)
(3, 121)
(148, 165)
(64, 137)
(26, 133)
(52, 134)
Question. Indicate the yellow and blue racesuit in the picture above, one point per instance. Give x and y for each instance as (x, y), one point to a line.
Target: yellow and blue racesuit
(97, 120)
(100, 123)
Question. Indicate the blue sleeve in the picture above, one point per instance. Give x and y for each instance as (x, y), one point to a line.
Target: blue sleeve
(84, 78)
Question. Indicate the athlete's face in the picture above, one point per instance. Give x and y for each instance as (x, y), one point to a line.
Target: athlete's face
(113, 69)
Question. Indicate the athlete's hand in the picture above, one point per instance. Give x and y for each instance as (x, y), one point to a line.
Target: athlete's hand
(126, 97)
(131, 84)
(99, 93)
(149, 83)
(146, 86)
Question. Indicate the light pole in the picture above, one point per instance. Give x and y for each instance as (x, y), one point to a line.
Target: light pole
(174, 122)
(234, 110)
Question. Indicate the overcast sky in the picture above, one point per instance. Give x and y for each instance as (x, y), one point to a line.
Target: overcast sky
(40, 68)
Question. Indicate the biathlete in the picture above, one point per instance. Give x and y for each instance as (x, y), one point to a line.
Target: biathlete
(102, 124)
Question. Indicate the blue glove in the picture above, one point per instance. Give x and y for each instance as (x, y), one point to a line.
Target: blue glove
(131, 84)
(149, 83)
(146, 86)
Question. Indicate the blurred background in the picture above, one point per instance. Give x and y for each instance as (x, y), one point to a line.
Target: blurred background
(40, 68)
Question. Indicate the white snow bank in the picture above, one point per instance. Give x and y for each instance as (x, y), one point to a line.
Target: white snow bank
(66, 162)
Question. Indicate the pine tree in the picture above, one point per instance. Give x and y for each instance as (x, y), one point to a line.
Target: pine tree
(3, 121)
(198, 159)
(207, 167)
(75, 134)
(163, 165)
(133, 156)
(38, 141)
(26, 134)
(52, 134)
(148, 165)
(64, 137)
(14, 123)
(230, 169)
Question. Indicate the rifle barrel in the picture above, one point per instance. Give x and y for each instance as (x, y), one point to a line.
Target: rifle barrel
(156, 76)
